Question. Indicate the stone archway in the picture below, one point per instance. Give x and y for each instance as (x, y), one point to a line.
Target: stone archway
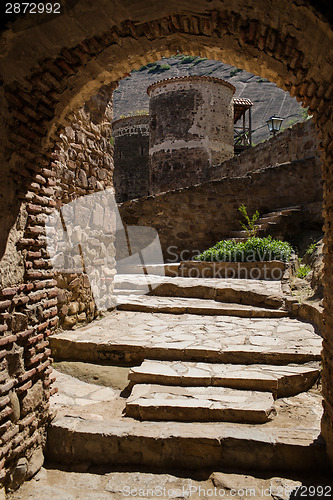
(51, 69)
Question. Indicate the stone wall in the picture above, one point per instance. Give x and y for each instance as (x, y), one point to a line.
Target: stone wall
(191, 129)
(131, 157)
(189, 220)
(83, 166)
(295, 143)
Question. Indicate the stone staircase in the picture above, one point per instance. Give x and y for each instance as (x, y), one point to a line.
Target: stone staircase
(271, 223)
(218, 373)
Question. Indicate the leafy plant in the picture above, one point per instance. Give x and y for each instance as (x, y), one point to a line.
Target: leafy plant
(159, 68)
(303, 271)
(112, 141)
(188, 59)
(253, 250)
(311, 248)
(249, 227)
(305, 114)
(198, 60)
(234, 72)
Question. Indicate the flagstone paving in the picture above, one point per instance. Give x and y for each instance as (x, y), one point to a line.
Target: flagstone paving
(131, 337)
(181, 305)
(199, 404)
(252, 292)
(279, 380)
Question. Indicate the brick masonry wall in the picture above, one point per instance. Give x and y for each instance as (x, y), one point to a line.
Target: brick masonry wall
(192, 219)
(28, 314)
(33, 296)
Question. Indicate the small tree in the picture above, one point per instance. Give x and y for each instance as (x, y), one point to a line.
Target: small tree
(250, 227)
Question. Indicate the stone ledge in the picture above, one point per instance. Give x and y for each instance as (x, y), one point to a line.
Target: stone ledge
(72, 440)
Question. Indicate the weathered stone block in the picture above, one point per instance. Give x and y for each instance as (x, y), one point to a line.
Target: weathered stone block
(33, 398)
(19, 322)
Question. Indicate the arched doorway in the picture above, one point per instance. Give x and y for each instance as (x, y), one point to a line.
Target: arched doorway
(51, 69)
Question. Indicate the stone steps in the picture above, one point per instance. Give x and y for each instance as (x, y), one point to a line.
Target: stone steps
(199, 404)
(260, 293)
(281, 381)
(268, 223)
(126, 337)
(128, 291)
(191, 446)
(182, 305)
(170, 269)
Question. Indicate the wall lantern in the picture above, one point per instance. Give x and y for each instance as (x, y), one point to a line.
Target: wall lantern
(274, 124)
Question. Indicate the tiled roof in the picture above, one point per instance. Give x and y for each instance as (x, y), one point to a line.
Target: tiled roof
(242, 102)
(240, 106)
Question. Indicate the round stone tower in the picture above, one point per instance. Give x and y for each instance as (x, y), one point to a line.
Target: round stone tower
(191, 130)
(131, 157)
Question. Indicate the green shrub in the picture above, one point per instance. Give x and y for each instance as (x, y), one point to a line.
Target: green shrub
(188, 59)
(311, 248)
(234, 72)
(198, 61)
(303, 271)
(253, 250)
(159, 68)
(249, 227)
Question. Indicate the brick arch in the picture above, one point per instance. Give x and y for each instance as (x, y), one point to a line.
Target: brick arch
(286, 43)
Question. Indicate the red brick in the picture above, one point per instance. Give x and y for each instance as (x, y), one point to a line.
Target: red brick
(5, 426)
(7, 387)
(26, 333)
(6, 412)
(24, 387)
(7, 339)
(37, 296)
(22, 299)
(43, 366)
(9, 434)
(28, 420)
(4, 401)
(42, 326)
(4, 304)
(54, 390)
(25, 376)
(9, 291)
(5, 449)
(35, 339)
